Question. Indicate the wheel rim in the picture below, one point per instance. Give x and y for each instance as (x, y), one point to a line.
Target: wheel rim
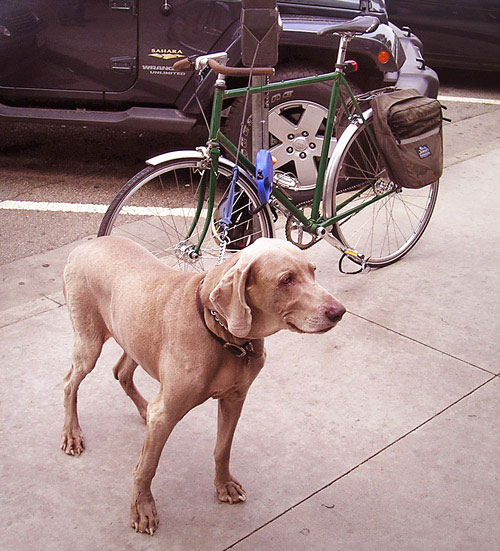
(158, 212)
(384, 231)
(297, 131)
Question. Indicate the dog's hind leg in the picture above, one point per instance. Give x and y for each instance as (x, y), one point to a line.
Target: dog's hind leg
(86, 350)
(124, 372)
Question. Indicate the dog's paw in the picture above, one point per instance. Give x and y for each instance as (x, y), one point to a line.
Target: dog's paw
(143, 514)
(72, 441)
(230, 491)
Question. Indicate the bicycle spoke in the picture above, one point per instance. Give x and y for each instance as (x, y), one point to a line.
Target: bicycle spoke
(385, 230)
(160, 206)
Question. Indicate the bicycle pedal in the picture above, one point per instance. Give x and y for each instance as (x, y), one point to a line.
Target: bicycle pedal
(354, 257)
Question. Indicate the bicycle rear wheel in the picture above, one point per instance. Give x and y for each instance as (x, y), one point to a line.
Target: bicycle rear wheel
(157, 207)
(384, 231)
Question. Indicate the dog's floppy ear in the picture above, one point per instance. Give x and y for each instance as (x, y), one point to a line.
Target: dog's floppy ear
(229, 298)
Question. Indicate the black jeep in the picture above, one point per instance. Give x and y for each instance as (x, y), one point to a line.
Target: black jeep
(110, 62)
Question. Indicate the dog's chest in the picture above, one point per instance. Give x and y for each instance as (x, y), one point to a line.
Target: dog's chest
(232, 380)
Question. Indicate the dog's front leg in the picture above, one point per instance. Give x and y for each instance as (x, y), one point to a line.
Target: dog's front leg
(164, 413)
(228, 488)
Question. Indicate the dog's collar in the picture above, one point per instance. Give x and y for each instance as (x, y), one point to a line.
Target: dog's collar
(245, 350)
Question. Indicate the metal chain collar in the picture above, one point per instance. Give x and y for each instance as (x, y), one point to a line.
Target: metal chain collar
(224, 242)
(217, 319)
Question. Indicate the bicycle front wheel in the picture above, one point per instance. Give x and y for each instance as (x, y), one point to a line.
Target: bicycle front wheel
(386, 229)
(157, 208)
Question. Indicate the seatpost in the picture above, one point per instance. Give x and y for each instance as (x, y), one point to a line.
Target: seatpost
(345, 38)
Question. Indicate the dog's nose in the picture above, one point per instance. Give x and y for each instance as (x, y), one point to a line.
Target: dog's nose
(335, 313)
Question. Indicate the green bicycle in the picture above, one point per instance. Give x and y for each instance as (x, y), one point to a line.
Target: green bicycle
(175, 206)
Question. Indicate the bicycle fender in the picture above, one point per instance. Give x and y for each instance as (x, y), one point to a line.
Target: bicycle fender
(172, 155)
(335, 160)
(194, 154)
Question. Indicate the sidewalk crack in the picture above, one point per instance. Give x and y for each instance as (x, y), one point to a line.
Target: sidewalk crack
(412, 339)
(343, 475)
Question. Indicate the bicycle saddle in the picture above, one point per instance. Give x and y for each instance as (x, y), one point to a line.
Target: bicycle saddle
(359, 25)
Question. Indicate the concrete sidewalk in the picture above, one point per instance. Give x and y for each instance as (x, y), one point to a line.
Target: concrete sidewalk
(380, 435)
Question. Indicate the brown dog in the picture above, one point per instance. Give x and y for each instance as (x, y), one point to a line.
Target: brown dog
(200, 335)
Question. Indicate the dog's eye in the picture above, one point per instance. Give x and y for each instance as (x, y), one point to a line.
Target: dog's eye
(286, 280)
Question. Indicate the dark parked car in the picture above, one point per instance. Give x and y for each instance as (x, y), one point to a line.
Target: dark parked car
(455, 33)
(110, 62)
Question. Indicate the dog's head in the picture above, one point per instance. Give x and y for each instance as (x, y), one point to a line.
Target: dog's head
(271, 286)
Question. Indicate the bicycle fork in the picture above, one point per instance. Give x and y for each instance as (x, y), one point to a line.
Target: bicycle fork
(211, 163)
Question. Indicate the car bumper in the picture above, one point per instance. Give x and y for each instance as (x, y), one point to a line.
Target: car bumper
(413, 73)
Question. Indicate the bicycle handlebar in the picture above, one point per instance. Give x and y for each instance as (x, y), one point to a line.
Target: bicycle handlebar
(186, 65)
(183, 65)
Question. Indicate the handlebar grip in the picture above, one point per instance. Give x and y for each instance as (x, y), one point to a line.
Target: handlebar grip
(186, 65)
(240, 71)
(183, 65)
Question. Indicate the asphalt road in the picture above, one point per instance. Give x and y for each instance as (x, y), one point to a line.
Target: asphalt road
(85, 165)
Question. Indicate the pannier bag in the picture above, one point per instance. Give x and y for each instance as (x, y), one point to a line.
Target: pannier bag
(408, 130)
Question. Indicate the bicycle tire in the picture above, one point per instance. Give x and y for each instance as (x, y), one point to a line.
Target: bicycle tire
(385, 231)
(156, 208)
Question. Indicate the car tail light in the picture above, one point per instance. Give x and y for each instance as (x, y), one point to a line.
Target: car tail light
(383, 56)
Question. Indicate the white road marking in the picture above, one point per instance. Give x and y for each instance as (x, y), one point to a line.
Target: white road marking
(460, 99)
(53, 207)
(94, 209)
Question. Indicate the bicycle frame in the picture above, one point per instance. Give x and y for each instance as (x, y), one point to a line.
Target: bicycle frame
(314, 223)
